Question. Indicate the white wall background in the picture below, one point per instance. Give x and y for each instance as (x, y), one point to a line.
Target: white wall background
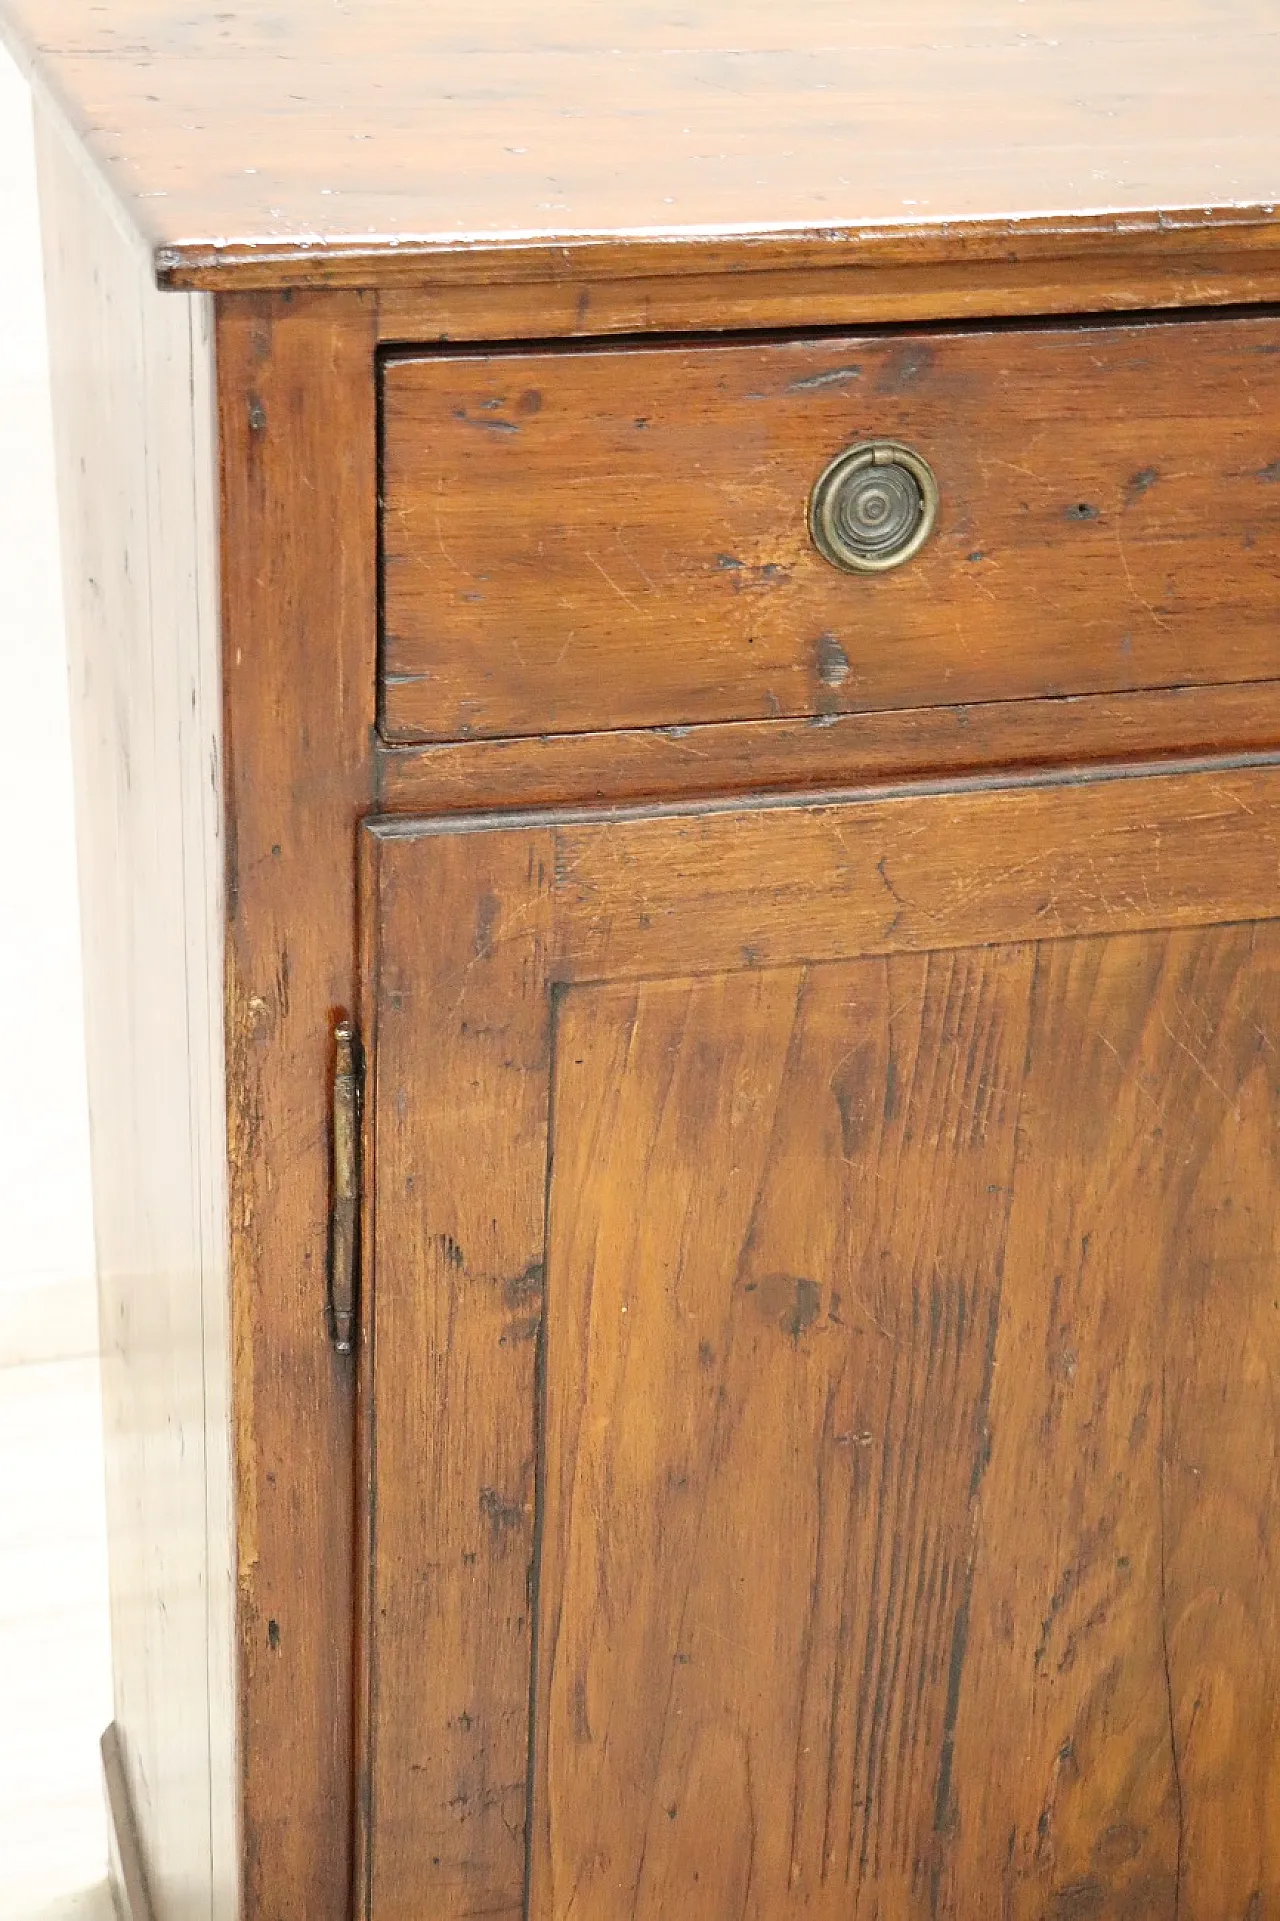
(53, 1591)
(47, 1308)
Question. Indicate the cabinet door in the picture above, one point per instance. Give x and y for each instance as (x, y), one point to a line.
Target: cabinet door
(822, 1358)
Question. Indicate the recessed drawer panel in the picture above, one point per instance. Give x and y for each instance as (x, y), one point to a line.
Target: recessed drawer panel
(625, 537)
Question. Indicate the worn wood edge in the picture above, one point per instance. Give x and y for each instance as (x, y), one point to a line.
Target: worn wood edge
(126, 1874)
(1152, 726)
(364, 1462)
(387, 260)
(391, 827)
(818, 296)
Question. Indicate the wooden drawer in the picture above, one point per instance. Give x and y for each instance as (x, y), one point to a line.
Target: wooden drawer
(617, 537)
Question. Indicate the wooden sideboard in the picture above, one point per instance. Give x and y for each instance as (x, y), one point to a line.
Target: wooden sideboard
(674, 624)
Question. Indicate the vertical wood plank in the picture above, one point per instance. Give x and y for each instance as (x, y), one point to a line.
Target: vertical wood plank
(644, 1241)
(460, 1137)
(1073, 1811)
(773, 1289)
(1219, 1432)
(1123, 1614)
(133, 386)
(299, 492)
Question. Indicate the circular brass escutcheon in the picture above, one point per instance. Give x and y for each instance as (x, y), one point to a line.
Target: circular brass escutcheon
(873, 507)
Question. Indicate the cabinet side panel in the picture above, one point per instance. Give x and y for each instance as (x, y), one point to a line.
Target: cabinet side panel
(133, 384)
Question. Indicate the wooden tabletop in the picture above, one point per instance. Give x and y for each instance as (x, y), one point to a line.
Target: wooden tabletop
(363, 142)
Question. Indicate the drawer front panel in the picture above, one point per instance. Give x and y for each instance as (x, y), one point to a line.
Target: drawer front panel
(619, 537)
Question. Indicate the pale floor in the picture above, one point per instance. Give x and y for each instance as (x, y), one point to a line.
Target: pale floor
(53, 1644)
(54, 1664)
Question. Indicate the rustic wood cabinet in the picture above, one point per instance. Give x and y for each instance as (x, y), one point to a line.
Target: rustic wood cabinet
(674, 623)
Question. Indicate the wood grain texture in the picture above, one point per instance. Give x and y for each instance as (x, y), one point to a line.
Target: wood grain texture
(748, 1604)
(835, 1470)
(296, 405)
(292, 144)
(879, 1613)
(831, 751)
(1107, 855)
(619, 537)
(1131, 1405)
(459, 1029)
(1201, 272)
(134, 430)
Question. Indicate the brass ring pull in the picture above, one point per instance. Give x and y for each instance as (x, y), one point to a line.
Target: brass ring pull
(873, 507)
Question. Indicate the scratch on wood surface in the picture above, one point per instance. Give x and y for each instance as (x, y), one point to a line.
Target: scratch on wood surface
(1159, 619)
(1201, 1066)
(609, 581)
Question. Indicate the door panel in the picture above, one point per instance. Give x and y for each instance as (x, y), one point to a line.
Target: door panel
(823, 1418)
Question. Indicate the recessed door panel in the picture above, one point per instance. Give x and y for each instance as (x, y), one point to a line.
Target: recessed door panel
(888, 1305)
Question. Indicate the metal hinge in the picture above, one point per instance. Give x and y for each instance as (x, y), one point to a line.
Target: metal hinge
(344, 1199)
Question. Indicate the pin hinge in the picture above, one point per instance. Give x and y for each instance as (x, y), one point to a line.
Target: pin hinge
(344, 1204)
